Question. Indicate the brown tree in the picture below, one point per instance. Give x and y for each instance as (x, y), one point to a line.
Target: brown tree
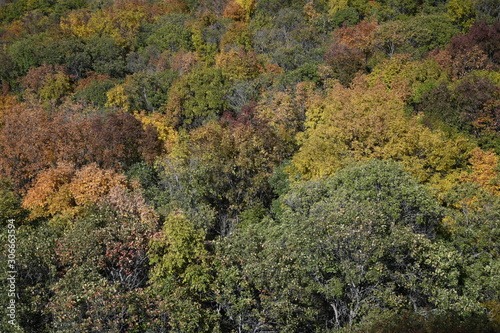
(33, 139)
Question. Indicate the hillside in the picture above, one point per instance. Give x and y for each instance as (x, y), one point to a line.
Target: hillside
(250, 166)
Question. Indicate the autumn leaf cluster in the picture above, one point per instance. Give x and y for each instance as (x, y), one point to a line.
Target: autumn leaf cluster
(251, 166)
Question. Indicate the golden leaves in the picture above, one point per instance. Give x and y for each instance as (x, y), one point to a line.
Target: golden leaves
(63, 189)
(238, 65)
(485, 171)
(368, 122)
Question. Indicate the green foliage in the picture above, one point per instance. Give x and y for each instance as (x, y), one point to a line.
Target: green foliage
(36, 266)
(287, 41)
(237, 165)
(280, 180)
(343, 248)
(206, 35)
(265, 7)
(181, 273)
(198, 97)
(408, 321)
(182, 186)
(416, 35)
(10, 204)
(26, 53)
(95, 93)
(145, 91)
(55, 87)
(7, 70)
(104, 252)
(462, 12)
(348, 16)
(100, 54)
(306, 72)
(238, 34)
(180, 247)
(472, 228)
(16, 9)
(106, 57)
(170, 33)
(63, 6)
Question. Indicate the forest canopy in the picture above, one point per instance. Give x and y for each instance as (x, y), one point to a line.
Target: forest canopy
(250, 166)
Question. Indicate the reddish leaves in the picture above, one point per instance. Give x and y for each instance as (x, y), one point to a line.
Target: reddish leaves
(33, 139)
(477, 50)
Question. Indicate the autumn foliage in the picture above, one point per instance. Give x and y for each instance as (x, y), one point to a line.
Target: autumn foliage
(111, 141)
(250, 166)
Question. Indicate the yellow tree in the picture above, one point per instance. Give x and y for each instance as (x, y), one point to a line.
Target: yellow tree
(485, 170)
(50, 194)
(120, 21)
(66, 190)
(368, 122)
(336, 5)
(462, 12)
(239, 9)
(76, 24)
(284, 111)
(238, 65)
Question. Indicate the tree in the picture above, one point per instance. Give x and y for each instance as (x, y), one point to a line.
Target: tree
(121, 21)
(23, 52)
(416, 35)
(238, 64)
(343, 248)
(410, 80)
(198, 97)
(288, 41)
(181, 274)
(238, 35)
(105, 267)
(484, 170)
(285, 112)
(240, 10)
(360, 37)
(93, 88)
(462, 12)
(469, 105)
(171, 33)
(50, 194)
(248, 150)
(472, 51)
(35, 274)
(67, 135)
(345, 62)
(142, 91)
(206, 33)
(360, 123)
(10, 202)
(471, 228)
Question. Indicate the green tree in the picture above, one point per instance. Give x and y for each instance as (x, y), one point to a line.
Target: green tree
(181, 274)
(171, 33)
(103, 266)
(142, 91)
(198, 97)
(471, 226)
(36, 266)
(342, 249)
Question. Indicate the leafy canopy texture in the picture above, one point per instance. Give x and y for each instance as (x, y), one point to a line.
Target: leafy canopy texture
(369, 121)
(343, 249)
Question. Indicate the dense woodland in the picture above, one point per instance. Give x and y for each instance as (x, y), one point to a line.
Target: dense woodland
(251, 165)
